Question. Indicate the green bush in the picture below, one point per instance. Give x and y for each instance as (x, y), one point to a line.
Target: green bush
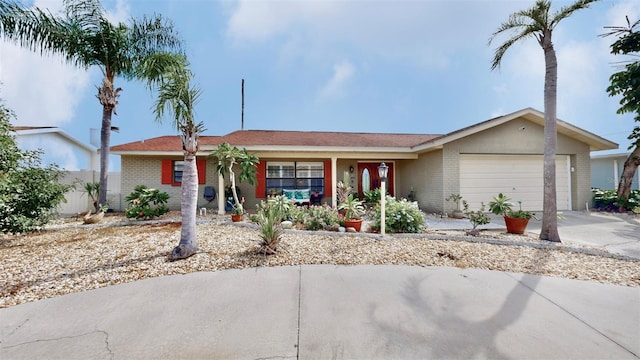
(402, 216)
(608, 200)
(29, 193)
(372, 197)
(321, 217)
(145, 203)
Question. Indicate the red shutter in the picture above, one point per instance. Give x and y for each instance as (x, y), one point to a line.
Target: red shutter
(261, 175)
(328, 186)
(167, 172)
(202, 171)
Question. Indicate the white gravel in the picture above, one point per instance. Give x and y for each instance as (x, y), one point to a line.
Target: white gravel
(70, 257)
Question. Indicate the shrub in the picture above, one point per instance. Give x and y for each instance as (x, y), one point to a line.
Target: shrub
(145, 203)
(372, 197)
(477, 217)
(402, 216)
(608, 200)
(321, 217)
(29, 193)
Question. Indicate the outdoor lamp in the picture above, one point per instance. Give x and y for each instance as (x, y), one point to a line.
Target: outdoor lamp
(383, 169)
(382, 173)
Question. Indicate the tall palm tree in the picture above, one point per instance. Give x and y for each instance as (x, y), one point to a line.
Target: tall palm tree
(177, 97)
(539, 23)
(84, 37)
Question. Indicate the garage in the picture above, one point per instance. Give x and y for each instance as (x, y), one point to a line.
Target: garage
(517, 176)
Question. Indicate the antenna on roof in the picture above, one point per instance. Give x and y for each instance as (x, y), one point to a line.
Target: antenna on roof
(242, 115)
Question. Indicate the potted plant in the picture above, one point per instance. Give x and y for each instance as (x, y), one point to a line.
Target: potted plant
(237, 211)
(516, 221)
(455, 198)
(353, 210)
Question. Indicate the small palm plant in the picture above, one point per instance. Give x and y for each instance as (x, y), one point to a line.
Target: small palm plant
(269, 216)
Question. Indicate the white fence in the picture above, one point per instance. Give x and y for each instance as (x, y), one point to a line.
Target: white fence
(78, 201)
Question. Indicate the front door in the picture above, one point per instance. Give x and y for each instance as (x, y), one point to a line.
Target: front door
(368, 178)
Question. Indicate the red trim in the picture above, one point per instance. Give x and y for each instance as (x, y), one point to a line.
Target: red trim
(261, 176)
(167, 172)
(328, 185)
(202, 171)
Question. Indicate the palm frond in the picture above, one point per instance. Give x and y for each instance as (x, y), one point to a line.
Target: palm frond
(502, 49)
(566, 11)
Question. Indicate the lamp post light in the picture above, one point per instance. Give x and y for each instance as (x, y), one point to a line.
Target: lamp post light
(382, 173)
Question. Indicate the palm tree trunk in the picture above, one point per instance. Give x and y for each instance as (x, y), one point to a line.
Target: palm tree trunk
(189, 200)
(108, 97)
(105, 139)
(628, 172)
(549, 230)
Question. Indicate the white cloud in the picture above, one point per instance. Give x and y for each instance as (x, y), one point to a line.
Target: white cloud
(41, 90)
(422, 33)
(335, 87)
(44, 90)
(121, 13)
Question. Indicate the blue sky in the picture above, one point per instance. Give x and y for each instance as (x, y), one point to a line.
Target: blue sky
(420, 66)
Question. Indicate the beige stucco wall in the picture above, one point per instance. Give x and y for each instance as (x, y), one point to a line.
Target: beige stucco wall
(425, 176)
(515, 137)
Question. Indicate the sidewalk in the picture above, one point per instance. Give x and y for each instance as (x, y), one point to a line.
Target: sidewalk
(327, 311)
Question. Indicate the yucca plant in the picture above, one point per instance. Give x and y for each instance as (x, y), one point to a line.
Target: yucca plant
(270, 215)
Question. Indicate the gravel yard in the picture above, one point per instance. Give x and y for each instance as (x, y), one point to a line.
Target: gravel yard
(69, 257)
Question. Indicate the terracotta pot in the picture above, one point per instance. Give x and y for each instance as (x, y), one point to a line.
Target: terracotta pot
(354, 223)
(236, 217)
(516, 225)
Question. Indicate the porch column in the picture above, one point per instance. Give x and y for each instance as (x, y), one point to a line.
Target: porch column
(221, 196)
(615, 174)
(334, 180)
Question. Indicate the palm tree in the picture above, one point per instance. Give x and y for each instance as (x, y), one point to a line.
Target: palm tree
(539, 23)
(178, 97)
(85, 37)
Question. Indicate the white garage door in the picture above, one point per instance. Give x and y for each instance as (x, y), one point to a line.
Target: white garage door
(519, 177)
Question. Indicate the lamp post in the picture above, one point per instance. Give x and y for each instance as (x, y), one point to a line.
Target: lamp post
(382, 173)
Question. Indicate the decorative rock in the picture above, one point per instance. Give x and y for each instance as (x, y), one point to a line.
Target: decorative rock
(341, 229)
(286, 224)
(351, 229)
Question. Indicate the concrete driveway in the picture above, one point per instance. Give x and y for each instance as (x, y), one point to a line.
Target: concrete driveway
(617, 233)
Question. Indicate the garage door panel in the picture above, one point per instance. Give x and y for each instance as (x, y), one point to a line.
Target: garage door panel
(517, 176)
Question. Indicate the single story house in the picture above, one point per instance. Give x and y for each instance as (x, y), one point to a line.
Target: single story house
(503, 154)
(607, 169)
(81, 162)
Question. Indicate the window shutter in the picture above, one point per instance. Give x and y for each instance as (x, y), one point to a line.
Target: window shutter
(167, 172)
(261, 176)
(202, 171)
(328, 186)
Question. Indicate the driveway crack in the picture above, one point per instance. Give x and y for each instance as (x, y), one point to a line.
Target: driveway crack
(106, 340)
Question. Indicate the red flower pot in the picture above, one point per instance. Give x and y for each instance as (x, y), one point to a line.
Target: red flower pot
(354, 223)
(236, 217)
(516, 225)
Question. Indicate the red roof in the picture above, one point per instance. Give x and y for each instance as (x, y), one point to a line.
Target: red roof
(244, 138)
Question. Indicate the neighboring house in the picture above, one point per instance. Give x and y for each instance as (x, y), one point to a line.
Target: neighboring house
(606, 171)
(81, 161)
(503, 154)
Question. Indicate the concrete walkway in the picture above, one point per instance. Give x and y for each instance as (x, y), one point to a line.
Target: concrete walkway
(326, 311)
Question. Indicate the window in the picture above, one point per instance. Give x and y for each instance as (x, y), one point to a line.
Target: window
(172, 171)
(294, 175)
(177, 171)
